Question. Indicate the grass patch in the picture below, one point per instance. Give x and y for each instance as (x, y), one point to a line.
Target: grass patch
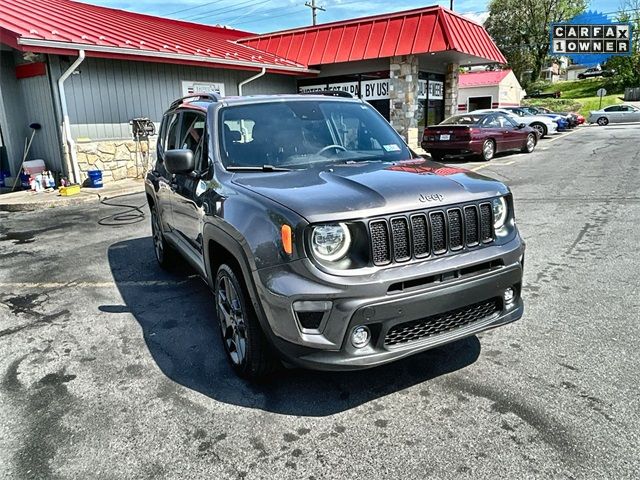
(578, 96)
(580, 105)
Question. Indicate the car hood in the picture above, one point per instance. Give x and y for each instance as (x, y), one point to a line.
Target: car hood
(341, 192)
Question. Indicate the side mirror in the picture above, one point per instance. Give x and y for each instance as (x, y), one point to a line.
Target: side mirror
(179, 161)
(522, 125)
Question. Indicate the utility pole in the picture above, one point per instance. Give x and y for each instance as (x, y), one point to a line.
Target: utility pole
(312, 5)
(451, 5)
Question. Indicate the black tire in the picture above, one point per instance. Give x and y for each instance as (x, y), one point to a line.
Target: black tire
(603, 121)
(244, 342)
(488, 150)
(540, 128)
(581, 76)
(166, 255)
(436, 157)
(529, 143)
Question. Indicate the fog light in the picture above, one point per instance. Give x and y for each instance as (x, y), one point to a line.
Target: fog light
(509, 295)
(360, 337)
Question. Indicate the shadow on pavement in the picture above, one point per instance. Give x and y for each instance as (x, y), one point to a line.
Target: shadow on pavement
(177, 317)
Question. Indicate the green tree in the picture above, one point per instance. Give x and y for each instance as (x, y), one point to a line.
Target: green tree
(520, 28)
(627, 68)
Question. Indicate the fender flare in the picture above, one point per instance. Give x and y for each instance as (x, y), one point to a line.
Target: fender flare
(212, 232)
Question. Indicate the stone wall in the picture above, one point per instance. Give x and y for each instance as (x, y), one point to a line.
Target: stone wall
(403, 94)
(451, 90)
(116, 158)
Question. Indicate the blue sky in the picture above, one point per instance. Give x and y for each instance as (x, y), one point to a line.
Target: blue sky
(269, 15)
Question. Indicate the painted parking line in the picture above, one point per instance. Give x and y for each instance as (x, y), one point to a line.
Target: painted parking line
(492, 164)
(563, 135)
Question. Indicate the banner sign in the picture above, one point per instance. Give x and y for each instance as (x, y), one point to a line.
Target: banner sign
(377, 89)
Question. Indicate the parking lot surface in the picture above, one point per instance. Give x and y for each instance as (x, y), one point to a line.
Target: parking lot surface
(112, 368)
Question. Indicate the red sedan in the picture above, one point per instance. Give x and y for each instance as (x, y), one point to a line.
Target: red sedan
(478, 134)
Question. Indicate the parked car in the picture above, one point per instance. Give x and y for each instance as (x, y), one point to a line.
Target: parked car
(596, 72)
(562, 123)
(478, 134)
(580, 119)
(326, 241)
(543, 125)
(615, 114)
(570, 117)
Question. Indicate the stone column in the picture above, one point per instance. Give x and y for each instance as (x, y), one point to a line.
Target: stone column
(403, 97)
(451, 90)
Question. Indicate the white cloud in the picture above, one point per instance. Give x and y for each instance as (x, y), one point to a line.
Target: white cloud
(477, 17)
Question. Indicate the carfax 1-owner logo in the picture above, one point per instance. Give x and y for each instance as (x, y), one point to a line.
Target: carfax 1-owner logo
(591, 35)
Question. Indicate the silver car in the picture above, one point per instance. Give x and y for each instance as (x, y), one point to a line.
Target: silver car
(615, 114)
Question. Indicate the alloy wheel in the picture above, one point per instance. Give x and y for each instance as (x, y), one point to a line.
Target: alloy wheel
(232, 319)
(540, 130)
(531, 143)
(602, 121)
(488, 150)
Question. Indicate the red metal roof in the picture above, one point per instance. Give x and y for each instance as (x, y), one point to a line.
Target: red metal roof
(482, 79)
(419, 31)
(57, 26)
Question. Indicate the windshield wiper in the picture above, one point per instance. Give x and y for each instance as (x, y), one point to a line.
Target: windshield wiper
(257, 168)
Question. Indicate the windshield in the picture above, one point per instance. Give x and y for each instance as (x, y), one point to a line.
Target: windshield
(463, 120)
(302, 133)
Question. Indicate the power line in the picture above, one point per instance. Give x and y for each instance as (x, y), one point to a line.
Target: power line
(190, 8)
(222, 11)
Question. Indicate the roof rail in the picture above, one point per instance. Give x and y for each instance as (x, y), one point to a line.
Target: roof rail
(330, 93)
(211, 96)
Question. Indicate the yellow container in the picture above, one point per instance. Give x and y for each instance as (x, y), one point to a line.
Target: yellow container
(70, 190)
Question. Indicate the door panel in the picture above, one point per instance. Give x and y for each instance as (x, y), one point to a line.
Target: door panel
(164, 194)
(188, 212)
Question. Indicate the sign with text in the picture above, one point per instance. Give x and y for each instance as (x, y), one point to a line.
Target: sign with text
(189, 87)
(607, 39)
(375, 89)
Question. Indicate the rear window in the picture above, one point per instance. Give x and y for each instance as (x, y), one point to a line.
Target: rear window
(463, 120)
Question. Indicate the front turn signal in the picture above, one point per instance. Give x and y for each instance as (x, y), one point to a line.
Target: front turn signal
(287, 242)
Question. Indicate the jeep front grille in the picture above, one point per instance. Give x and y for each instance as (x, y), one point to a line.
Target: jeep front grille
(430, 233)
(442, 322)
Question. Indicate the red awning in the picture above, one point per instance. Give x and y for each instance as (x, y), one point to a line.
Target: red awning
(419, 31)
(482, 79)
(65, 26)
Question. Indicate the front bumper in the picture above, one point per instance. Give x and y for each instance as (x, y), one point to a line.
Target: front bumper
(372, 302)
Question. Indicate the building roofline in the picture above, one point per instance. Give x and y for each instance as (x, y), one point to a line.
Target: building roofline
(128, 52)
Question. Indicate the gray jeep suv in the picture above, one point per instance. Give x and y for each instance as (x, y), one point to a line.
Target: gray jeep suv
(327, 242)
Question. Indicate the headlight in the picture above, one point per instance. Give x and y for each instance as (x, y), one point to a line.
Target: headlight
(330, 242)
(500, 212)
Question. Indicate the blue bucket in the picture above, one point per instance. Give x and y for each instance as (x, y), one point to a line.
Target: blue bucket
(95, 178)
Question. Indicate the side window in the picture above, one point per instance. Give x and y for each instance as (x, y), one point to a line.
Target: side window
(614, 108)
(491, 122)
(172, 130)
(192, 134)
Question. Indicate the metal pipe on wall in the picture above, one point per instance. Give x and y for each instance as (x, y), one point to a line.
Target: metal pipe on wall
(66, 127)
(250, 79)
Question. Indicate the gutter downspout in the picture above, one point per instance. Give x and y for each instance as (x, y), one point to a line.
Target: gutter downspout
(66, 127)
(250, 79)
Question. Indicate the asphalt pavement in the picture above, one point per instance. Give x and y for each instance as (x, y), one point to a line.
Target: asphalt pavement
(112, 368)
